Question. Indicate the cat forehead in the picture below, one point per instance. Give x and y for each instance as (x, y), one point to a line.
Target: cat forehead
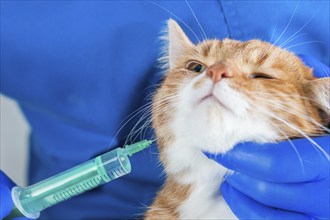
(228, 48)
(255, 53)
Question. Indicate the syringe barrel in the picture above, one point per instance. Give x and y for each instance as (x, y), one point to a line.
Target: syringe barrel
(102, 169)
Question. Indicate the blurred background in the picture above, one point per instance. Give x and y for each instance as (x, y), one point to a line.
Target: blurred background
(13, 141)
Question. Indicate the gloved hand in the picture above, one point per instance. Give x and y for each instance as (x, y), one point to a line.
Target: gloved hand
(6, 203)
(273, 181)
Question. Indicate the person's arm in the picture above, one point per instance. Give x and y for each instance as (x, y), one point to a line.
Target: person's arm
(279, 181)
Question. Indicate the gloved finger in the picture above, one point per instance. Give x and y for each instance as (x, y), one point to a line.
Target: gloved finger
(6, 203)
(289, 161)
(309, 197)
(319, 69)
(246, 208)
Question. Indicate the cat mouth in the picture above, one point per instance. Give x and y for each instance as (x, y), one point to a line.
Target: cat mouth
(213, 99)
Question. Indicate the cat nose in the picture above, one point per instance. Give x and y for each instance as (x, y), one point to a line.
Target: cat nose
(218, 71)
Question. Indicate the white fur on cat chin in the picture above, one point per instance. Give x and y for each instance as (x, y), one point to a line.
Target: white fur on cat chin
(205, 201)
(195, 132)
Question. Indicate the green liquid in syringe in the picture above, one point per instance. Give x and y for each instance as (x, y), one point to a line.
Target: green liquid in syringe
(102, 169)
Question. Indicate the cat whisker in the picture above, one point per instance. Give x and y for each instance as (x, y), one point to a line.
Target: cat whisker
(146, 107)
(287, 26)
(280, 106)
(167, 10)
(325, 72)
(147, 126)
(141, 119)
(129, 118)
(133, 131)
(282, 95)
(129, 137)
(272, 95)
(291, 39)
(292, 145)
(155, 85)
(200, 26)
(273, 33)
(309, 20)
(293, 127)
(143, 129)
(308, 42)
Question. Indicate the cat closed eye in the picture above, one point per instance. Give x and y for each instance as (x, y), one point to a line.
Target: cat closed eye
(195, 67)
(260, 76)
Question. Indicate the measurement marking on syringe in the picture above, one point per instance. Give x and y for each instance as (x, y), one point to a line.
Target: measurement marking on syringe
(72, 191)
(62, 182)
(89, 184)
(80, 187)
(60, 197)
(93, 182)
(66, 194)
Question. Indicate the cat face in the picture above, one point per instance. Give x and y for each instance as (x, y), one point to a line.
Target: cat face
(218, 93)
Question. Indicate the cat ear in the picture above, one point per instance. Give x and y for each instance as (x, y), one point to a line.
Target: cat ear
(319, 91)
(178, 42)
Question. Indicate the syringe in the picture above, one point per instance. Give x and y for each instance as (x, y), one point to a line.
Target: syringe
(93, 173)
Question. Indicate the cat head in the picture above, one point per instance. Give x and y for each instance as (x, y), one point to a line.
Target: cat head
(220, 92)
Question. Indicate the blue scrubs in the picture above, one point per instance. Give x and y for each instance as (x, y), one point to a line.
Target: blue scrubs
(78, 68)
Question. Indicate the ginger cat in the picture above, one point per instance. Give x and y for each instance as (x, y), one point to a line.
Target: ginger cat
(216, 94)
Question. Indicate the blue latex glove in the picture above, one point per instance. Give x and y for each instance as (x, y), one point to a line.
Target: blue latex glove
(271, 182)
(6, 203)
